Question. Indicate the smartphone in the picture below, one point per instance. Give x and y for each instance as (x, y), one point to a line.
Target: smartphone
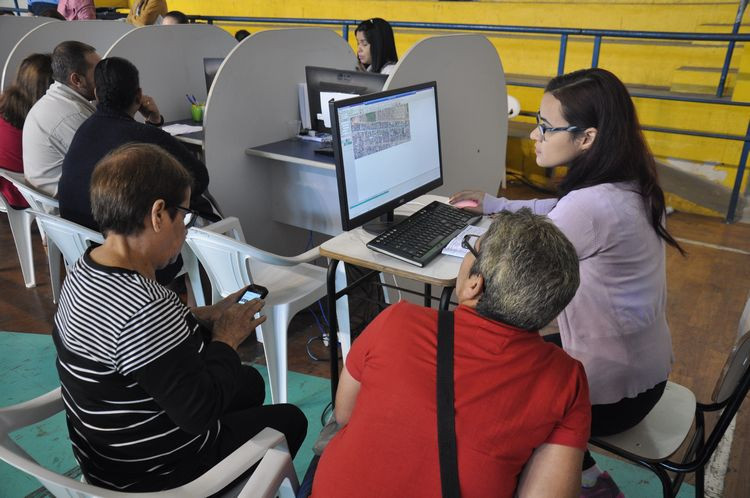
(253, 291)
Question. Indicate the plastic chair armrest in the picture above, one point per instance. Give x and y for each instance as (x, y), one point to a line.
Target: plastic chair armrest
(32, 411)
(275, 259)
(274, 468)
(233, 466)
(230, 225)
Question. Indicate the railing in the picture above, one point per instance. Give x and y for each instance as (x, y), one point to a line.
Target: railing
(564, 33)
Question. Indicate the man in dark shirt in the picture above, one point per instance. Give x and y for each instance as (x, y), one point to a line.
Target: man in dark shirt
(119, 98)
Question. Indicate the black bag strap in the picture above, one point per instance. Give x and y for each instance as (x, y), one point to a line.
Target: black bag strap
(445, 410)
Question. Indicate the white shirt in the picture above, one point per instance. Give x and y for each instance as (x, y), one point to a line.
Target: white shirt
(47, 133)
(388, 68)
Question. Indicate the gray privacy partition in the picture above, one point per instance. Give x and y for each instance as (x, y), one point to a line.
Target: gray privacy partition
(251, 102)
(472, 107)
(170, 62)
(12, 29)
(99, 34)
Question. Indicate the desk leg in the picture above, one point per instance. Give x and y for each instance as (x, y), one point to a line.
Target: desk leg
(428, 295)
(333, 328)
(445, 298)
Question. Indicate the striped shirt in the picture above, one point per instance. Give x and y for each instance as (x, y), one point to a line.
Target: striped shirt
(143, 385)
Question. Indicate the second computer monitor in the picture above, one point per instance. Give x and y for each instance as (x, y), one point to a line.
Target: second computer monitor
(387, 151)
(210, 68)
(325, 83)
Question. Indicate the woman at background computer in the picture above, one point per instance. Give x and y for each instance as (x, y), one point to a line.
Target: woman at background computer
(32, 80)
(376, 48)
(612, 209)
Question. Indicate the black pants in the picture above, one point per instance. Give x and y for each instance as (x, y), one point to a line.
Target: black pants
(620, 416)
(247, 417)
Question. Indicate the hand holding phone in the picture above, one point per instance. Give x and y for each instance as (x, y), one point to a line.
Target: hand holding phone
(253, 291)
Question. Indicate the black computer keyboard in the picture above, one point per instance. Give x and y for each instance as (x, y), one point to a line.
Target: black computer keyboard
(420, 238)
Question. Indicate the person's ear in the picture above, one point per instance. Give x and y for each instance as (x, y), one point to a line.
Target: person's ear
(473, 288)
(75, 80)
(158, 212)
(588, 138)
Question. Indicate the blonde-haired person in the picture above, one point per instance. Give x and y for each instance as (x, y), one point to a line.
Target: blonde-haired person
(147, 12)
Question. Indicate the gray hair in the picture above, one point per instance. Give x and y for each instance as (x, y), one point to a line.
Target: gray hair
(530, 270)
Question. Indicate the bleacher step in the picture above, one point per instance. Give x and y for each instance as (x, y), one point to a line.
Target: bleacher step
(693, 79)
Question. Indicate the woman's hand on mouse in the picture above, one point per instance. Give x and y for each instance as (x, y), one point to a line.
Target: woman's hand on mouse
(473, 196)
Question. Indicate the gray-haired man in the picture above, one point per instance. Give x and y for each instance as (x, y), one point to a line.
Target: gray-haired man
(521, 405)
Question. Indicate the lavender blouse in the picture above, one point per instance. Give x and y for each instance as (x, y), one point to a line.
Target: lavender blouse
(616, 324)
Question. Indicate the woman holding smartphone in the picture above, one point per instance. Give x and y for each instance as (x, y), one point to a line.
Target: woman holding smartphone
(155, 393)
(612, 209)
(376, 48)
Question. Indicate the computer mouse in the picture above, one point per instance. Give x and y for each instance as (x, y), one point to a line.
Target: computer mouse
(468, 203)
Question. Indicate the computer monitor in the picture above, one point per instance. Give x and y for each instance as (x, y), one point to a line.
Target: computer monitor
(386, 147)
(210, 68)
(325, 83)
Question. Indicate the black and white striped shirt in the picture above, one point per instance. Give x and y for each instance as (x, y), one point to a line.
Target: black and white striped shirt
(142, 384)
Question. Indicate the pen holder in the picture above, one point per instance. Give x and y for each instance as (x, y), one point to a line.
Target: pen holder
(196, 111)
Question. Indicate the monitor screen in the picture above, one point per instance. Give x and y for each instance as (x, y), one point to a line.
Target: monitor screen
(324, 84)
(210, 68)
(386, 149)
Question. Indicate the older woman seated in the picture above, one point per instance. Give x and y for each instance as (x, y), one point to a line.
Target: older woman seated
(155, 394)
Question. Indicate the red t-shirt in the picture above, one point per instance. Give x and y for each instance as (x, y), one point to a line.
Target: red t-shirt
(513, 392)
(11, 158)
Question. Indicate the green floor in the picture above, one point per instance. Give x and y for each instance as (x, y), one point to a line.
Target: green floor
(27, 370)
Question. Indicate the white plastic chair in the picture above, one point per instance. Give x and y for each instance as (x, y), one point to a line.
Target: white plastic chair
(38, 201)
(514, 107)
(275, 473)
(66, 238)
(292, 284)
(20, 226)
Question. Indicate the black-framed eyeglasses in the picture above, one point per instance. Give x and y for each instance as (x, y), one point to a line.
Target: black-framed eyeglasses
(466, 243)
(191, 216)
(544, 129)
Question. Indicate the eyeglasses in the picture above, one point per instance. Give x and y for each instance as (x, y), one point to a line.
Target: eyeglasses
(466, 244)
(191, 216)
(544, 129)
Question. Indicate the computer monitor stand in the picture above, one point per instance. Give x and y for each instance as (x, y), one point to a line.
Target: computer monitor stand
(383, 223)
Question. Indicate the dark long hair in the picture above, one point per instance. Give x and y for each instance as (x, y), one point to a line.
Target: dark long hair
(596, 98)
(32, 80)
(379, 35)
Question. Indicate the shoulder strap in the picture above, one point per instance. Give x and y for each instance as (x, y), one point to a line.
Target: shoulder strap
(445, 409)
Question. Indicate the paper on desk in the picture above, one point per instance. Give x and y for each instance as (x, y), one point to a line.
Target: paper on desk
(181, 129)
(325, 97)
(454, 246)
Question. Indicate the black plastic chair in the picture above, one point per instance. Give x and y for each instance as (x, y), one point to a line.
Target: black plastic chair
(665, 429)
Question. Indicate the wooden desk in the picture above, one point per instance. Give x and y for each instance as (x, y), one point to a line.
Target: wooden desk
(350, 247)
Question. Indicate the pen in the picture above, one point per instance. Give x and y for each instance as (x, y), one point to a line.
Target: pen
(195, 101)
(190, 98)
